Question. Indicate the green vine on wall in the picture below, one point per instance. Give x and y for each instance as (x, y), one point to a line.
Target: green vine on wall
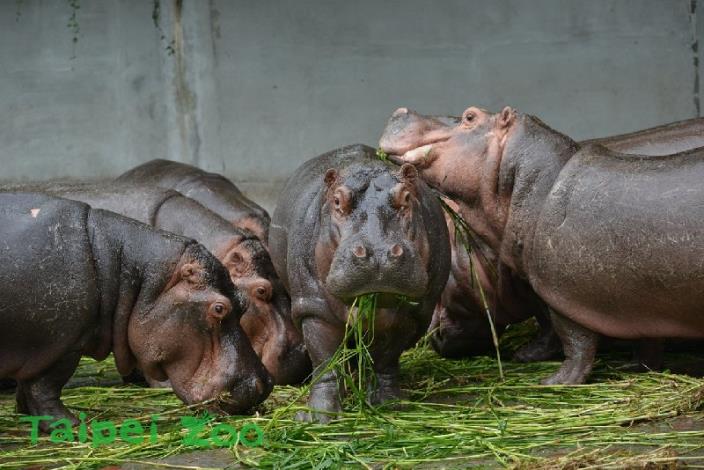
(73, 25)
(156, 18)
(75, 28)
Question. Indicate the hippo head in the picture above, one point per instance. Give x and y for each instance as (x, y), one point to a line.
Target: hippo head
(481, 160)
(373, 237)
(267, 319)
(451, 155)
(192, 337)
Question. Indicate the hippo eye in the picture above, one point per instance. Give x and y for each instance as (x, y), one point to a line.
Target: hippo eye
(337, 202)
(469, 117)
(218, 310)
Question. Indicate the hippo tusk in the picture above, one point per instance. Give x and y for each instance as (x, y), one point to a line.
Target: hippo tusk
(417, 156)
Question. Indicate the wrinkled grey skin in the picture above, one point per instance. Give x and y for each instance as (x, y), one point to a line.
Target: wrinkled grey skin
(85, 282)
(267, 320)
(611, 242)
(348, 224)
(212, 190)
(459, 326)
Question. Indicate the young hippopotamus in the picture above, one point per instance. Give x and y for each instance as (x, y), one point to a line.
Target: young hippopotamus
(79, 281)
(460, 326)
(267, 320)
(213, 191)
(609, 241)
(348, 224)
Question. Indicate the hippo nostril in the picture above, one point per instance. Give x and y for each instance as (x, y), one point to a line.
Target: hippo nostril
(396, 250)
(359, 251)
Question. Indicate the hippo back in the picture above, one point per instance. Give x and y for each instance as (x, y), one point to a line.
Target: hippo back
(623, 238)
(662, 140)
(212, 190)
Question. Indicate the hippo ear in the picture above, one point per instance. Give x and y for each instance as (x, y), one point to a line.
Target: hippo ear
(191, 272)
(330, 177)
(408, 172)
(506, 117)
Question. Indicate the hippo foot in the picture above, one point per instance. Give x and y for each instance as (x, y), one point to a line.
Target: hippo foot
(324, 403)
(29, 405)
(42, 396)
(570, 373)
(386, 389)
(579, 345)
(545, 347)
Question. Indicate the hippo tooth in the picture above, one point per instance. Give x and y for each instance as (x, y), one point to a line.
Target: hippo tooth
(417, 155)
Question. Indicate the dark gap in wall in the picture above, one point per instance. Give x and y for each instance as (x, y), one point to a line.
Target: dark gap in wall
(695, 54)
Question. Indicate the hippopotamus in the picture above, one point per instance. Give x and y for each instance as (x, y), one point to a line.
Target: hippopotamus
(460, 326)
(267, 320)
(347, 224)
(78, 281)
(610, 241)
(212, 190)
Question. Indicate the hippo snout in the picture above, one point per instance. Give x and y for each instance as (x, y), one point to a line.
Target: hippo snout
(247, 394)
(361, 267)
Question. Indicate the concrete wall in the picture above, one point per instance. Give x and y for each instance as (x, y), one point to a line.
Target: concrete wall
(253, 88)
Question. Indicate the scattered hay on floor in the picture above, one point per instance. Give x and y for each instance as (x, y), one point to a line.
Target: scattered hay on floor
(455, 412)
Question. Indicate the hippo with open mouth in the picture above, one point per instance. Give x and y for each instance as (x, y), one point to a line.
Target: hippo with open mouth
(348, 224)
(79, 282)
(460, 326)
(611, 242)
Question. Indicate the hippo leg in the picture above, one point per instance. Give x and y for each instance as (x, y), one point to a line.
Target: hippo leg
(386, 370)
(544, 346)
(322, 340)
(386, 348)
(579, 345)
(42, 395)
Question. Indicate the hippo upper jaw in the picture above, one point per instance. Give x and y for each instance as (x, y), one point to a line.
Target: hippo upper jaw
(407, 130)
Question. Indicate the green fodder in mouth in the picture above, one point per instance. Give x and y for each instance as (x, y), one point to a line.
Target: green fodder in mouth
(383, 156)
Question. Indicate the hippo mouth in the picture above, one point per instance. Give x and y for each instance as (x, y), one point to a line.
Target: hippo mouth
(244, 397)
(419, 156)
(388, 300)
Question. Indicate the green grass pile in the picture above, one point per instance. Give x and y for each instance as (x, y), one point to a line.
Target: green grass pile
(453, 413)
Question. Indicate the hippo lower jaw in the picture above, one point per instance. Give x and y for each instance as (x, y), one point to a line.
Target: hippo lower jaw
(413, 288)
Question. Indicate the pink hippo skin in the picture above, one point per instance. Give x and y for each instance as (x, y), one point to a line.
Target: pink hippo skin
(610, 242)
(460, 327)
